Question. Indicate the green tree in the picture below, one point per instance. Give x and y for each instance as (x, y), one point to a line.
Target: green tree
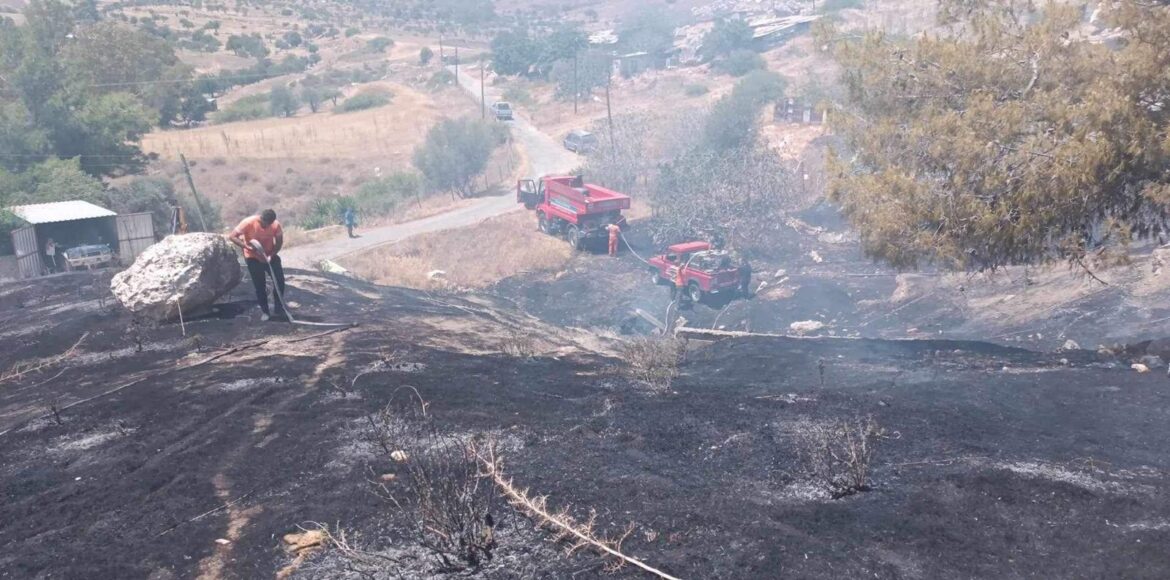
(283, 102)
(247, 45)
(313, 96)
(157, 196)
(49, 181)
(379, 44)
(740, 62)
(1017, 140)
(513, 53)
(734, 119)
(728, 36)
(593, 69)
(293, 38)
(425, 54)
(454, 153)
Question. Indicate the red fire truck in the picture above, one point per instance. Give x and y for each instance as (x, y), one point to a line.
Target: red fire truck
(566, 206)
(704, 271)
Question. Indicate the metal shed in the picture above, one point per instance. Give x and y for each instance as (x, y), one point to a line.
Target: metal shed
(77, 222)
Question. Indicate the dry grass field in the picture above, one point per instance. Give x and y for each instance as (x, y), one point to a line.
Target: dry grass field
(389, 132)
(473, 257)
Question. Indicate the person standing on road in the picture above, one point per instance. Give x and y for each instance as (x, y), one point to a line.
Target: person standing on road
(265, 230)
(350, 221)
(51, 253)
(614, 232)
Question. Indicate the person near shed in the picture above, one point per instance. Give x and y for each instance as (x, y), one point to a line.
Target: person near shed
(51, 253)
(615, 231)
(350, 221)
(266, 230)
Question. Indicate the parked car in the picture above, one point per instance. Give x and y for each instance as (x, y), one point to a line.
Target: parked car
(502, 111)
(580, 141)
(88, 257)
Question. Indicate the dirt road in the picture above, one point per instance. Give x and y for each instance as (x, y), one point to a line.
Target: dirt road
(544, 156)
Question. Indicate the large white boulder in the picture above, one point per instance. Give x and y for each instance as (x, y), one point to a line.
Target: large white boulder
(189, 271)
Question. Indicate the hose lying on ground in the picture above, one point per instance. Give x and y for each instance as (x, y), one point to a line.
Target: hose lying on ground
(284, 305)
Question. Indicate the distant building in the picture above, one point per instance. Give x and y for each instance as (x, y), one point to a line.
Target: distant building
(72, 224)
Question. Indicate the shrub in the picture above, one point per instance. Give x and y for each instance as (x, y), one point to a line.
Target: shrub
(425, 55)
(283, 102)
(245, 109)
(740, 62)
(367, 99)
(455, 151)
(837, 455)
(379, 44)
(352, 32)
(518, 95)
(450, 503)
(443, 78)
(695, 90)
(653, 360)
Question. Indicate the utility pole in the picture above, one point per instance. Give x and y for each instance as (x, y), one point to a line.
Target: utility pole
(457, 65)
(194, 192)
(576, 90)
(482, 98)
(440, 48)
(609, 113)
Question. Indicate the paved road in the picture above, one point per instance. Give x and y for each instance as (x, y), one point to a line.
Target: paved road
(544, 156)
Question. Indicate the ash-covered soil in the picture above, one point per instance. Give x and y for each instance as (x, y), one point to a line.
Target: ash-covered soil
(816, 272)
(996, 463)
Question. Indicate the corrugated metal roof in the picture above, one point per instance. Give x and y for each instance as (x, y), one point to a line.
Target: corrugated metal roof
(60, 211)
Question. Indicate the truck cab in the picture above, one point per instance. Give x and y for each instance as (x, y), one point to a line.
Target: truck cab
(705, 271)
(568, 207)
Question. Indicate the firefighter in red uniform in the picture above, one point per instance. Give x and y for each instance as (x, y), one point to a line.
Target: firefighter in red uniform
(614, 233)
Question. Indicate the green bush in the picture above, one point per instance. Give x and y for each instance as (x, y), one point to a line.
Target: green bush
(518, 95)
(425, 55)
(440, 79)
(379, 44)
(377, 197)
(246, 109)
(740, 62)
(367, 99)
(695, 90)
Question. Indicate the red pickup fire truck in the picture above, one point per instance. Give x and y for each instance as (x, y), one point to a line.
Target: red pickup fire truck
(704, 271)
(567, 206)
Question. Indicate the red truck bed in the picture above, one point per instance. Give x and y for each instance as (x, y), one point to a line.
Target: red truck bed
(572, 203)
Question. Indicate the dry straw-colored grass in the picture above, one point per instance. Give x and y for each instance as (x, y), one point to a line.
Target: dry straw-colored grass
(387, 133)
(472, 257)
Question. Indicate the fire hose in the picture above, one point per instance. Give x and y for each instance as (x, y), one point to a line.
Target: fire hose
(280, 296)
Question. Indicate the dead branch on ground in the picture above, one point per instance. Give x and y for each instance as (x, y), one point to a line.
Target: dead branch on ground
(578, 535)
(22, 369)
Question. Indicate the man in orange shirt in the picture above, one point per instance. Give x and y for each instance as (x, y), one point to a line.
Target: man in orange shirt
(614, 232)
(266, 230)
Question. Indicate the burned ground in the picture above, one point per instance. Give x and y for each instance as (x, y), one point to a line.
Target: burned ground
(996, 462)
(816, 271)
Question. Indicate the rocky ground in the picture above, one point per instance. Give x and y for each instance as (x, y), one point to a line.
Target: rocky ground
(995, 462)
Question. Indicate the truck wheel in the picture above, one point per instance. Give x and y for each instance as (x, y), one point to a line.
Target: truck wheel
(656, 277)
(542, 223)
(695, 292)
(574, 237)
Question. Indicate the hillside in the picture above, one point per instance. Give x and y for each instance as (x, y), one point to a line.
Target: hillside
(992, 462)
